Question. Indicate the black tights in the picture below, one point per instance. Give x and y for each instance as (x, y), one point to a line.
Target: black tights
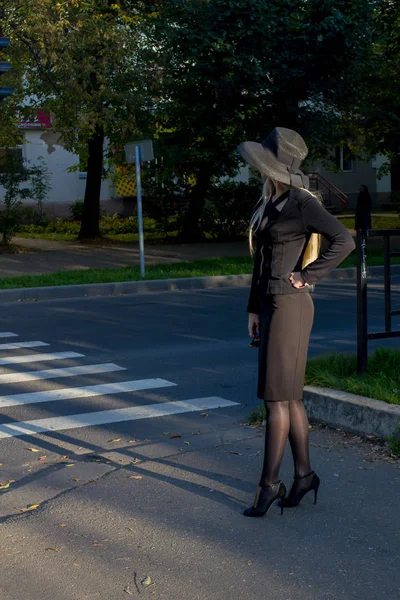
(285, 419)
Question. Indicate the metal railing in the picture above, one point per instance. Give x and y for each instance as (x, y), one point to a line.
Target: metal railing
(327, 187)
(362, 276)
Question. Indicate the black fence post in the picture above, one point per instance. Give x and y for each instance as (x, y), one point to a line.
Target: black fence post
(362, 328)
(388, 303)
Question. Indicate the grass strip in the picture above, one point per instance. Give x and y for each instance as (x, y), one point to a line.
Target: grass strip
(339, 371)
(198, 268)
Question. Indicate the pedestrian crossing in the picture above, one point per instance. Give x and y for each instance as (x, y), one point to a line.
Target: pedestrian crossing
(57, 373)
(30, 358)
(24, 400)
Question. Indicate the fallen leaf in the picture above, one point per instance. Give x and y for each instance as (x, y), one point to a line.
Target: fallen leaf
(133, 441)
(146, 581)
(135, 461)
(187, 443)
(135, 477)
(97, 545)
(64, 457)
(54, 549)
(172, 437)
(70, 465)
(133, 531)
(233, 452)
(42, 458)
(62, 525)
(31, 507)
(4, 486)
(33, 450)
(146, 440)
(128, 591)
(166, 433)
(112, 441)
(1, 464)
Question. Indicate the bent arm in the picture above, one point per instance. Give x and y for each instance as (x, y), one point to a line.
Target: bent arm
(317, 219)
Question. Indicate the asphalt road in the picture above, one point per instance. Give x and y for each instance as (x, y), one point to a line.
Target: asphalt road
(161, 494)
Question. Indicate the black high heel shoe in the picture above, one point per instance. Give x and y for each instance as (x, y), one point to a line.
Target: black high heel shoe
(265, 497)
(300, 487)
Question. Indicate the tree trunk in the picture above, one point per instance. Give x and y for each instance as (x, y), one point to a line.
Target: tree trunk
(191, 231)
(91, 205)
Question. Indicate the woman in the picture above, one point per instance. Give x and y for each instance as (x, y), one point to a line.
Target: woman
(286, 227)
(363, 210)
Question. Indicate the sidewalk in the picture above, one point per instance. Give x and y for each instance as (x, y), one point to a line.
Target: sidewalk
(171, 527)
(50, 257)
(66, 256)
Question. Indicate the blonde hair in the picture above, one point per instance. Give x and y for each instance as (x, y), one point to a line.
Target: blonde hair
(313, 247)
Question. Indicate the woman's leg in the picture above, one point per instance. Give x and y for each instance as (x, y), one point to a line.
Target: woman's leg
(298, 438)
(305, 480)
(276, 434)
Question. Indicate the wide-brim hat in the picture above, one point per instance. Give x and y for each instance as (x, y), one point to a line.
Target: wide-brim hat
(279, 156)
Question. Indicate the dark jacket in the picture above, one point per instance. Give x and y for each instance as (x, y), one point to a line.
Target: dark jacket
(280, 248)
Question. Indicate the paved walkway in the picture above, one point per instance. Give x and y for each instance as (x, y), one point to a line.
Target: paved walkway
(51, 257)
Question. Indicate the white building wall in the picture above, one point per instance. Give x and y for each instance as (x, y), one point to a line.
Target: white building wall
(383, 185)
(66, 187)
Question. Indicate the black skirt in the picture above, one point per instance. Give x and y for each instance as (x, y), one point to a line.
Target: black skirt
(285, 326)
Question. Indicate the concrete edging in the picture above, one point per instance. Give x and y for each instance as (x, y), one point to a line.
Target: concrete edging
(153, 286)
(351, 412)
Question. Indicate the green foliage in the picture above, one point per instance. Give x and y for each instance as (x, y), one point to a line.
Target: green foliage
(20, 183)
(257, 416)
(394, 443)
(39, 184)
(14, 179)
(198, 268)
(85, 63)
(232, 70)
(76, 210)
(339, 371)
(109, 225)
(228, 210)
(377, 222)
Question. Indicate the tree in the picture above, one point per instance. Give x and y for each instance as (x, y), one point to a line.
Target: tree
(377, 98)
(231, 70)
(20, 183)
(82, 61)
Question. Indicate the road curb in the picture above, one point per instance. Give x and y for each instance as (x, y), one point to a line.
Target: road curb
(154, 286)
(351, 412)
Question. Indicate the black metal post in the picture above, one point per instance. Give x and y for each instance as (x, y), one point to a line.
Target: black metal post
(388, 303)
(362, 329)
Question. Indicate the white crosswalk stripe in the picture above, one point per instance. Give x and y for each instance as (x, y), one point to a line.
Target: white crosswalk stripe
(15, 345)
(31, 358)
(112, 416)
(87, 419)
(57, 373)
(83, 392)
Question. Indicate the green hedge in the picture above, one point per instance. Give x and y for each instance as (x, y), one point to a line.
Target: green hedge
(110, 225)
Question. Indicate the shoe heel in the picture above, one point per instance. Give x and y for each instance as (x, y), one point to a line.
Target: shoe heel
(315, 495)
(282, 502)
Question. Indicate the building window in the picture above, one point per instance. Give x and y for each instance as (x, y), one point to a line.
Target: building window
(344, 160)
(11, 159)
